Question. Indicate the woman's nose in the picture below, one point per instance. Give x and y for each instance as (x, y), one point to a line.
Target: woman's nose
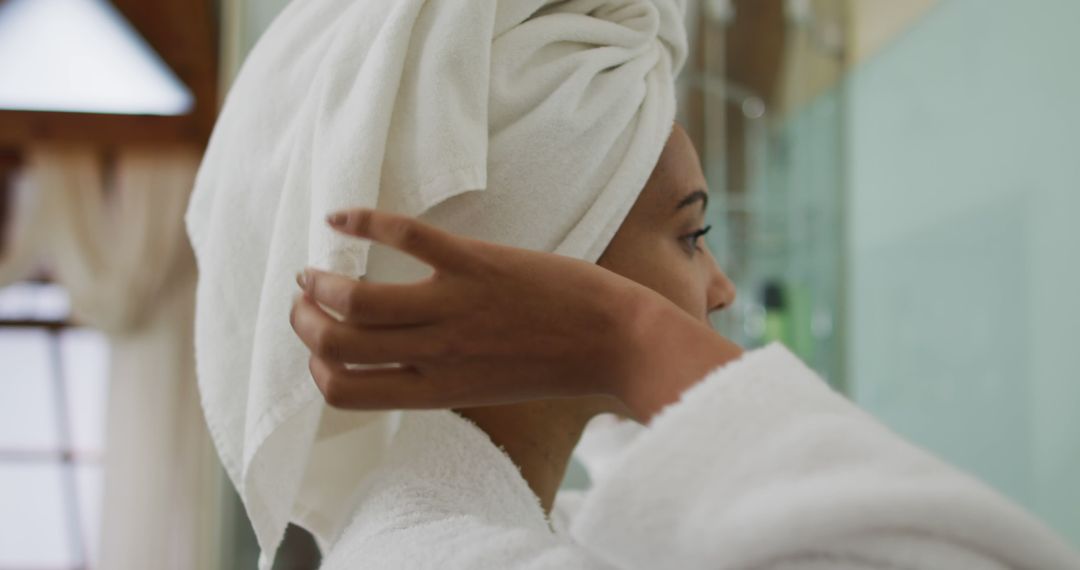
(721, 291)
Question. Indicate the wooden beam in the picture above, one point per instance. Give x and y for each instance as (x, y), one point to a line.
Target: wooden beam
(10, 160)
(754, 53)
(32, 324)
(755, 47)
(185, 34)
(18, 128)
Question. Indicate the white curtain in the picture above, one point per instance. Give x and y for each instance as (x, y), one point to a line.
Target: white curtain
(111, 232)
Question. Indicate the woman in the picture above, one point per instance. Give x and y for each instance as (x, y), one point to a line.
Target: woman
(759, 465)
(534, 124)
(531, 123)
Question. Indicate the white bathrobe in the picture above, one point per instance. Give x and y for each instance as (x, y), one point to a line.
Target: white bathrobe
(759, 466)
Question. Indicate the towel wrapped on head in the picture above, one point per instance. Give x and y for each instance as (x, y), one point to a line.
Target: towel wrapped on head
(532, 123)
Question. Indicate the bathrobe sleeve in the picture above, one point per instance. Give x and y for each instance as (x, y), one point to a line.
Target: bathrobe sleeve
(762, 466)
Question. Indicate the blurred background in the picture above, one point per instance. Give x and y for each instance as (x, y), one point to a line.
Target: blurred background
(897, 184)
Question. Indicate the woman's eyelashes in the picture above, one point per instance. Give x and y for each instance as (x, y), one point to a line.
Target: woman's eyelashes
(692, 241)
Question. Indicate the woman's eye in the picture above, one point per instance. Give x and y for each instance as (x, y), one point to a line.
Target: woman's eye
(692, 240)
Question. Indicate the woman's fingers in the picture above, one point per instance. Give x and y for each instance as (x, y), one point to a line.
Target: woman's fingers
(335, 341)
(398, 388)
(364, 302)
(427, 243)
(369, 389)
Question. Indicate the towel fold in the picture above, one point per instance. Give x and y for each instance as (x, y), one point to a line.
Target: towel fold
(533, 123)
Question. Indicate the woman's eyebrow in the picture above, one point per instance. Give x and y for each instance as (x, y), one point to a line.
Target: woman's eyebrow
(695, 196)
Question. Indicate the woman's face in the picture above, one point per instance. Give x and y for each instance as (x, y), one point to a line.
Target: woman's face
(660, 244)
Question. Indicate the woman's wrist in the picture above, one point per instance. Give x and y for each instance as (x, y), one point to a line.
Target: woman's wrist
(664, 352)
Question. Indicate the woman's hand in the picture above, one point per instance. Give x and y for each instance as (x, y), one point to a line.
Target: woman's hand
(493, 325)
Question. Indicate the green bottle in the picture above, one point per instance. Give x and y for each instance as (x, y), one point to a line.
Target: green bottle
(777, 319)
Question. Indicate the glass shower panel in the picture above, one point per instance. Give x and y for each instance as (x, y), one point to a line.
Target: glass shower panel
(778, 225)
(964, 186)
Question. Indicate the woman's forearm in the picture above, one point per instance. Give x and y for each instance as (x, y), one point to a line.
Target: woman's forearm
(495, 325)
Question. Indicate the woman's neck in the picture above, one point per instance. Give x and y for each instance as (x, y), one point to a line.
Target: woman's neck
(539, 437)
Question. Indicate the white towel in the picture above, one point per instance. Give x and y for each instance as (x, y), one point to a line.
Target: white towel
(759, 466)
(533, 123)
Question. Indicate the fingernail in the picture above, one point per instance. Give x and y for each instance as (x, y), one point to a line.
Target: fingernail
(337, 218)
(301, 280)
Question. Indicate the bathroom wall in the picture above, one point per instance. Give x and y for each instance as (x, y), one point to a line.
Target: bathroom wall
(963, 247)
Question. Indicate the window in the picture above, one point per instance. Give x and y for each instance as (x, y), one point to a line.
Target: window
(53, 386)
(82, 55)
